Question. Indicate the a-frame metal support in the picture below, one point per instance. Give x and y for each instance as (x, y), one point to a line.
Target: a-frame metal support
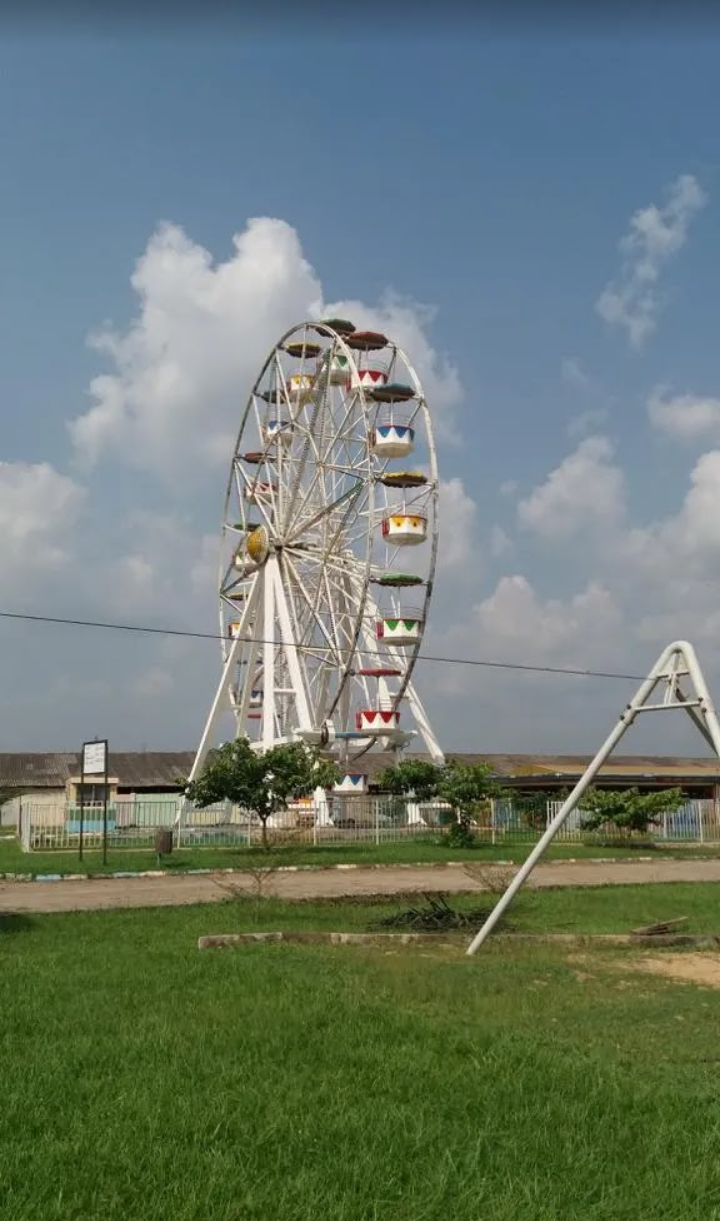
(678, 662)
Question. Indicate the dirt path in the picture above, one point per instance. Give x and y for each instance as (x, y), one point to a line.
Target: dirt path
(100, 893)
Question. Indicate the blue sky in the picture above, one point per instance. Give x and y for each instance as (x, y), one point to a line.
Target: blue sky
(492, 180)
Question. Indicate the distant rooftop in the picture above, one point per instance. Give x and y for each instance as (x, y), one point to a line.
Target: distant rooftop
(134, 769)
(161, 769)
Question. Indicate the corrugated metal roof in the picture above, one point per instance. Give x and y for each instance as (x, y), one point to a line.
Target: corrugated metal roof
(134, 769)
(157, 769)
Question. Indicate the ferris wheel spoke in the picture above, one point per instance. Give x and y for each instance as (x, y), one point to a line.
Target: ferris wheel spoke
(307, 523)
(313, 606)
(319, 402)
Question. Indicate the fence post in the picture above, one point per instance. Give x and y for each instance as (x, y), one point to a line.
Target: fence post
(492, 820)
(701, 812)
(25, 826)
(376, 803)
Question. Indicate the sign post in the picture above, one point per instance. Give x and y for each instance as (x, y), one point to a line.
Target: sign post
(94, 763)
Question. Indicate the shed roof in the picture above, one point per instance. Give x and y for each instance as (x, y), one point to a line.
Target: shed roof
(134, 769)
(157, 769)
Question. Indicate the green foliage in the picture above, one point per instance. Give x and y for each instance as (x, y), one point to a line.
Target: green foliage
(464, 786)
(416, 776)
(262, 783)
(628, 810)
(460, 833)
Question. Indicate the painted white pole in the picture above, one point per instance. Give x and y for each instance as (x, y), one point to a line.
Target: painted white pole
(568, 806)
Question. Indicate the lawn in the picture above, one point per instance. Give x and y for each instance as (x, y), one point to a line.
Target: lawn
(416, 851)
(143, 1080)
(597, 909)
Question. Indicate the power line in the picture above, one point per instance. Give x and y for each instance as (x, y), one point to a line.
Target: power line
(186, 633)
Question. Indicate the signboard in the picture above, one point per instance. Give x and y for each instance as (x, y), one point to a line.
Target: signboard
(94, 758)
(94, 763)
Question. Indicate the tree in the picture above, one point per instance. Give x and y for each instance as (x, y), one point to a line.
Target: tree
(411, 776)
(262, 783)
(464, 786)
(629, 810)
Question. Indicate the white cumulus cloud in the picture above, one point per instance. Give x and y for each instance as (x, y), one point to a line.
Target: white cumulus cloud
(38, 509)
(458, 522)
(633, 300)
(180, 373)
(517, 624)
(687, 417)
(586, 490)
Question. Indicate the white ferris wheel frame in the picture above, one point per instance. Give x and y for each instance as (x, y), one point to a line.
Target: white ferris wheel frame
(265, 636)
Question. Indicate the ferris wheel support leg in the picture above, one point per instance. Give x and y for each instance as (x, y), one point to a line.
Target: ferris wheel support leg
(268, 648)
(291, 654)
(421, 719)
(217, 704)
(253, 653)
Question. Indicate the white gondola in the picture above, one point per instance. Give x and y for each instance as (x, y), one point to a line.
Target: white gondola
(260, 493)
(300, 387)
(392, 440)
(404, 529)
(339, 369)
(277, 430)
(353, 785)
(400, 631)
(371, 379)
(377, 721)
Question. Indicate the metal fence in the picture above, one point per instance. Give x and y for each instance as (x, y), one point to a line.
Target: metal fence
(133, 823)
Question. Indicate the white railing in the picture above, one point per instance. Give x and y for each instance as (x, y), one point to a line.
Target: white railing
(344, 820)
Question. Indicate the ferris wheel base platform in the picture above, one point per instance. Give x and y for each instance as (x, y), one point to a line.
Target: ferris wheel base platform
(317, 737)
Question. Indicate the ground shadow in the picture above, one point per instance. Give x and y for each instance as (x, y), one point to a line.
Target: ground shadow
(15, 922)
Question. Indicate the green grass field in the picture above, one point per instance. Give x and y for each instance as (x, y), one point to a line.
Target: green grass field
(601, 909)
(143, 1080)
(14, 860)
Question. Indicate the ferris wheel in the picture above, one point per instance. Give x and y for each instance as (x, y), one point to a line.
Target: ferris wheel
(321, 614)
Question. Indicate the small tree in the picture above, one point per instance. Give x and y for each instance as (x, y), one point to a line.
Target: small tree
(411, 776)
(628, 810)
(466, 787)
(416, 778)
(262, 783)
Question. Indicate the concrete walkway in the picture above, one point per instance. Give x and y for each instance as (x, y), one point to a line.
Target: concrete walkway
(101, 893)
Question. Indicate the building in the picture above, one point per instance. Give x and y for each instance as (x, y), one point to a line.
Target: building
(54, 777)
(553, 774)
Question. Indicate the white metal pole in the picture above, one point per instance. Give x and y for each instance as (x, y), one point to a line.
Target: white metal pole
(268, 711)
(217, 704)
(566, 808)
